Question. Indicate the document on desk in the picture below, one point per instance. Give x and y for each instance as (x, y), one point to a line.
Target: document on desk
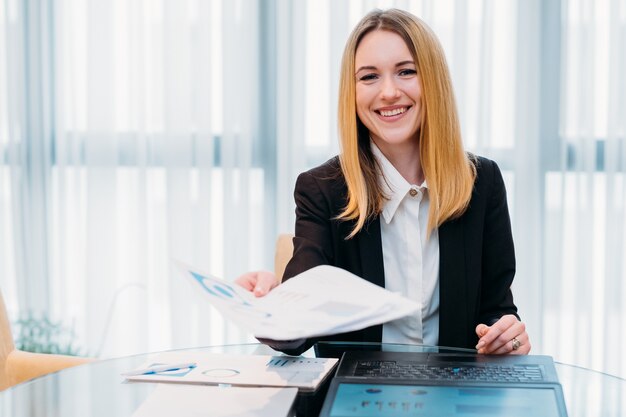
(210, 368)
(324, 300)
(193, 401)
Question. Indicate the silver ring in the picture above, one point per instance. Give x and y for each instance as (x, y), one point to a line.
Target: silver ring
(516, 343)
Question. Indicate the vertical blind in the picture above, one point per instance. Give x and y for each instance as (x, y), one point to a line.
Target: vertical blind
(137, 133)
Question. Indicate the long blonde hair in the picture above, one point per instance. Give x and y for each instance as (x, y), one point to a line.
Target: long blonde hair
(448, 169)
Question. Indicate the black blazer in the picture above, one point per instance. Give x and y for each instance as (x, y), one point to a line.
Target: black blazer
(477, 259)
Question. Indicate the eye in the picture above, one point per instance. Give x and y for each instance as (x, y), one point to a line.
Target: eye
(368, 77)
(407, 72)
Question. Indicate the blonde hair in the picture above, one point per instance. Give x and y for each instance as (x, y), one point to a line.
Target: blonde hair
(448, 169)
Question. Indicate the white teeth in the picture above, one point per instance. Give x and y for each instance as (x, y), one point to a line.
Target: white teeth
(394, 112)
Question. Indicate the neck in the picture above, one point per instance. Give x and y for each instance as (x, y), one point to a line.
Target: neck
(405, 158)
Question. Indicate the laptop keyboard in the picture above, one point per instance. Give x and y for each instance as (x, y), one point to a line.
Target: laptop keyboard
(419, 371)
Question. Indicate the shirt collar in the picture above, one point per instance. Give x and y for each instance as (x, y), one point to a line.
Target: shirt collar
(394, 186)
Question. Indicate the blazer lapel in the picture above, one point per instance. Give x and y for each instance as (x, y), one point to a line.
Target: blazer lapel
(453, 318)
(372, 268)
(371, 253)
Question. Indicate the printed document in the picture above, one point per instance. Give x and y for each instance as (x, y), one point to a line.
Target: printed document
(324, 300)
(303, 373)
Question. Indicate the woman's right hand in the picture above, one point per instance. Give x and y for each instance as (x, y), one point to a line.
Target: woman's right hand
(258, 282)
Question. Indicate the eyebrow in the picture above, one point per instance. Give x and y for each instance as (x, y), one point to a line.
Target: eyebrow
(372, 67)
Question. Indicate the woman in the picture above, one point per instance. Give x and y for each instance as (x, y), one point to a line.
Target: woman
(404, 206)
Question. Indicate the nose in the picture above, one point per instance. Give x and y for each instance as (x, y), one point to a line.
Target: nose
(389, 89)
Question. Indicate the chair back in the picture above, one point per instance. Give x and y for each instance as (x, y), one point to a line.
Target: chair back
(284, 252)
(6, 343)
(17, 366)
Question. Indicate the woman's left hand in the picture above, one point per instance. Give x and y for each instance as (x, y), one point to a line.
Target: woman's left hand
(507, 335)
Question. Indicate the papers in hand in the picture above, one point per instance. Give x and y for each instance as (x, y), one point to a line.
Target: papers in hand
(324, 300)
(240, 370)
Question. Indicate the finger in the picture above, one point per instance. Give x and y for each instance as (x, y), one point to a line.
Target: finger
(488, 342)
(481, 330)
(264, 283)
(504, 339)
(247, 280)
(524, 347)
(496, 330)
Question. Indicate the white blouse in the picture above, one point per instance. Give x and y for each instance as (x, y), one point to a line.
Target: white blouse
(411, 263)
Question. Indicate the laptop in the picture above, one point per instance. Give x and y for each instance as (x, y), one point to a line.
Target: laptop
(380, 383)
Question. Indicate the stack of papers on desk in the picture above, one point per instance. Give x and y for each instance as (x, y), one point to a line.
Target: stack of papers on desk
(185, 401)
(305, 374)
(324, 300)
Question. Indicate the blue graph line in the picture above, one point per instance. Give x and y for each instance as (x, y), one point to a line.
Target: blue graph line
(226, 292)
(219, 290)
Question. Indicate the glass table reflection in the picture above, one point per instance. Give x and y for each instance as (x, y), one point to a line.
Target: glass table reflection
(98, 389)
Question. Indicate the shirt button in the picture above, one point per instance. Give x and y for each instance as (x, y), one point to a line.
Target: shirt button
(413, 192)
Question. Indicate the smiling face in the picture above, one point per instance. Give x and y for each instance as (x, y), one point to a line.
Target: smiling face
(388, 90)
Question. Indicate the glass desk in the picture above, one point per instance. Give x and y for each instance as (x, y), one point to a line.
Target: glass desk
(98, 389)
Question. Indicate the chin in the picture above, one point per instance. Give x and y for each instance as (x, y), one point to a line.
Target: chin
(397, 138)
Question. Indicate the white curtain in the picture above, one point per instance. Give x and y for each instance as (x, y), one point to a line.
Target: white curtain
(134, 133)
(132, 137)
(584, 268)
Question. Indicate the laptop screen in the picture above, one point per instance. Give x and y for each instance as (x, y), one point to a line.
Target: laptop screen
(361, 400)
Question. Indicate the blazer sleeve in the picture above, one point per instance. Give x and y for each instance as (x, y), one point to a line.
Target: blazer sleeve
(498, 254)
(313, 241)
(312, 244)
